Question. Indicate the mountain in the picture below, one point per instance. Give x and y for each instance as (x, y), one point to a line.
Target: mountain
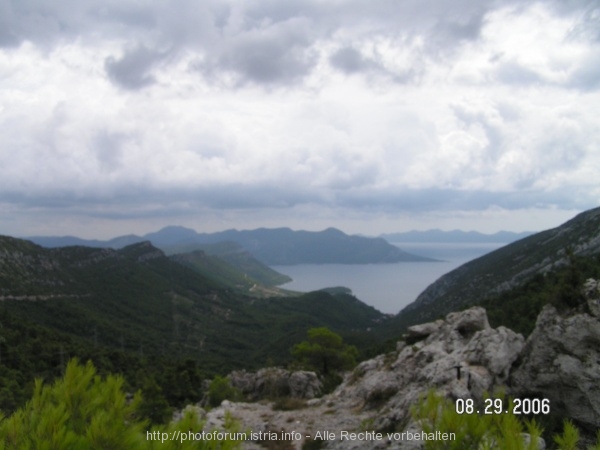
(278, 246)
(282, 246)
(508, 267)
(228, 262)
(172, 235)
(412, 388)
(160, 322)
(455, 236)
(137, 297)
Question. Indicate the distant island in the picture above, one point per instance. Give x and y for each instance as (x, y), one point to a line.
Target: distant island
(271, 246)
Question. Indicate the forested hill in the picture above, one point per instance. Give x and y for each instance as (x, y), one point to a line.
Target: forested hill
(137, 296)
(136, 301)
(508, 267)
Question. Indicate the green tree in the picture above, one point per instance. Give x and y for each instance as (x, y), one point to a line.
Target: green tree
(325, 352)
(153, 405)
(84, 411)
(221, 389)
(78, 411)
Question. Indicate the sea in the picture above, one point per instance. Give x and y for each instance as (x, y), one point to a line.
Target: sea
(387, 287)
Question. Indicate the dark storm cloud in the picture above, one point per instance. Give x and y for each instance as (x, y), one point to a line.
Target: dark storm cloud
(237, 197)
(262, 42)
(277, 54)
(460, 27)
(133, 70)
(21, 20)
(378, 106)
(436, 199)
(260, 195)
(269, 42)
(350, 60)
(135, 200)
(8, 32)
(43, 22)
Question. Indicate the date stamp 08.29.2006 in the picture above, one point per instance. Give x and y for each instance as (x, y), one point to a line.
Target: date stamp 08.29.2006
(516, 406)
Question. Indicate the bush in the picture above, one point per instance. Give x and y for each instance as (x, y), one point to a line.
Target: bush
(84, 411)
(220, 389)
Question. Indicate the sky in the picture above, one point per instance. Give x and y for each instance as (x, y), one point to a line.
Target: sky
(124, 116)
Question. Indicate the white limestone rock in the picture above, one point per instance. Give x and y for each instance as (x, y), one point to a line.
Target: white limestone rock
(561, 362)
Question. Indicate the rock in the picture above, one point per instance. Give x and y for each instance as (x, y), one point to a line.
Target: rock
(416, 332)
(469, 321)
(275, 382)
(304, 384)
(561, 362)
(541, 443)
(591, 291)
(462, 357)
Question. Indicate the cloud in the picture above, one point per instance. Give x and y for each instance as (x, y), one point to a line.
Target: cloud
(275, 54)
(109, 149)
(349, 61)
(379, 107)
(587, 75)
(133, 70)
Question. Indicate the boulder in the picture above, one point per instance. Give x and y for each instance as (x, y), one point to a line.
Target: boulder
(417, 332)
(275, 382)
(561, 362)
(461, 356)
(591, 290)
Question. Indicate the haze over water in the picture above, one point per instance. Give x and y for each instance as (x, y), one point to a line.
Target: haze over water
(387, 287)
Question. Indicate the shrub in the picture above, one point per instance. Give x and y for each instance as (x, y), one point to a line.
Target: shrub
(221, 389)
(84, 411)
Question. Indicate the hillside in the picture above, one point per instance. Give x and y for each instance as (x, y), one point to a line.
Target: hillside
(139, 296)
(229, 262)
(508, 267)
(137, 301)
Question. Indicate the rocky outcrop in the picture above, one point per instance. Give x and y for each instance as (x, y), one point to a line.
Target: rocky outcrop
(461, 356)
(591, 290)
(561, 362)
(275, 382)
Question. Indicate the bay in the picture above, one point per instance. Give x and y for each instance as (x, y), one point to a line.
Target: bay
(387, 287)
